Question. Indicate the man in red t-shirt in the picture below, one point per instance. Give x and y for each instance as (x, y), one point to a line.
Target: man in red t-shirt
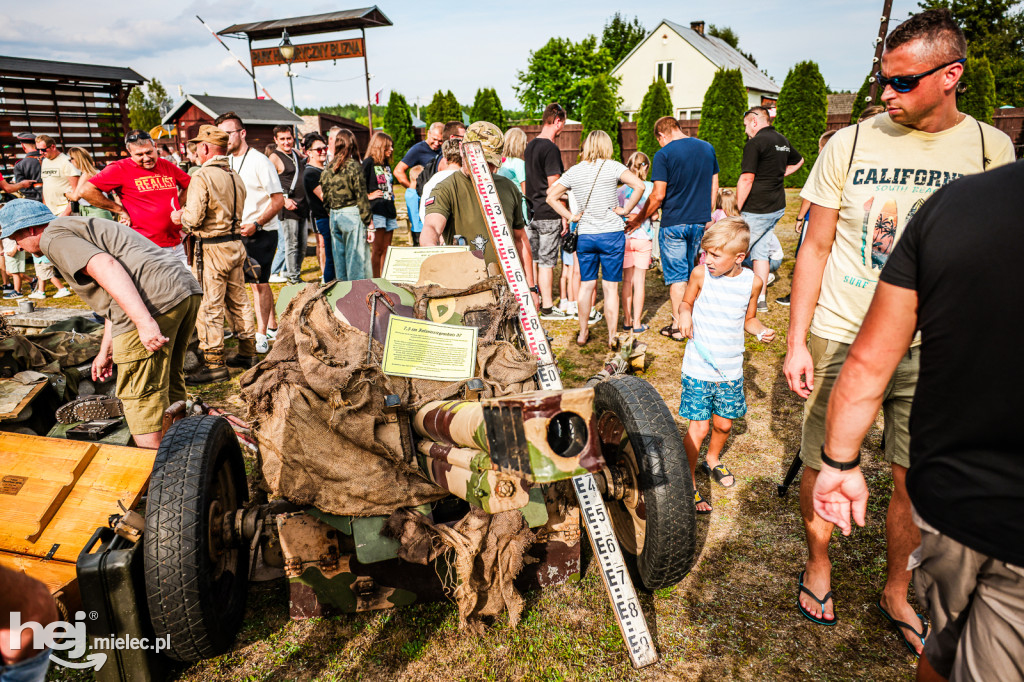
(149, 187)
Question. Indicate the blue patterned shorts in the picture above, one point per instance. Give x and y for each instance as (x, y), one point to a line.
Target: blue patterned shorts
(701, 399)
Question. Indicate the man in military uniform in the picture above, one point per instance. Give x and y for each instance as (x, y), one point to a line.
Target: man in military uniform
(453, 210)
(213, 215)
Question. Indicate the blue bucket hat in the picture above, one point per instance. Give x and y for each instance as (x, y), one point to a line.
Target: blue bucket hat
(21, 213)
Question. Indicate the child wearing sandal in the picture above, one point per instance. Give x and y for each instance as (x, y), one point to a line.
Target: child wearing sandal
(719, 304)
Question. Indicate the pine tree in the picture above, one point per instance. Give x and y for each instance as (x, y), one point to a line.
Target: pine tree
(601, 112)
(657, 103)
(979, 84)
(398, 124)
(435, 111)
(860, 102)
(803, 115)
(499, 116)
(453, 110)
(487, 107)
(721, 123)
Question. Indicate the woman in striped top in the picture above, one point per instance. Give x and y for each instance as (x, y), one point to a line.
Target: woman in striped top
(602, 238)
(719, 304)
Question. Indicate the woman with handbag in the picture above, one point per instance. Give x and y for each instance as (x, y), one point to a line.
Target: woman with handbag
(345, 199)
(601, 244)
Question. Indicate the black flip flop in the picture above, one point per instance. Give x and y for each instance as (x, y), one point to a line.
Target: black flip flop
(697, 499)
(900, 625)
(806, 613)
(668, 331)
(718, 473)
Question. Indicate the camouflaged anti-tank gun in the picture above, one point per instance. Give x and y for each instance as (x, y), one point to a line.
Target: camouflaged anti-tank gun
(385, 491)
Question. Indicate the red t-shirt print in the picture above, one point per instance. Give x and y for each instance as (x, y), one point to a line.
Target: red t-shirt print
(147, 195)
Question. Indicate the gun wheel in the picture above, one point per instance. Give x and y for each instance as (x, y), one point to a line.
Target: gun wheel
(647, 480)
(196, 572)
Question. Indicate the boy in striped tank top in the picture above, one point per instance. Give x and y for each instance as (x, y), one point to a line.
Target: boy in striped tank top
(720, 303)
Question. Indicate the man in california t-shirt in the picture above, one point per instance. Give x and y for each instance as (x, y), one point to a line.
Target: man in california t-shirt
(867, 183)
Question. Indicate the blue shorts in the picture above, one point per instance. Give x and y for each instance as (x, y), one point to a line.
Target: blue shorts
(605, 250)
(382, 223)
(701, 399)
(760, 224)
(679, 245)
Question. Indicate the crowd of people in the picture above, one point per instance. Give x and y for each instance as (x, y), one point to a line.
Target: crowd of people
(863, 284)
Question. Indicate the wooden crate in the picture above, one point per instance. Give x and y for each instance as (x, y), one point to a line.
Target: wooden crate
(55, 493)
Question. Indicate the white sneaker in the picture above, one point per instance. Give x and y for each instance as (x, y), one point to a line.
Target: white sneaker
(771, 278)
(271, 334)
(563, 305)
(277, 279)
(37, 295)
(595, 317)
(573, 310)
(62, 293)
(262, 345)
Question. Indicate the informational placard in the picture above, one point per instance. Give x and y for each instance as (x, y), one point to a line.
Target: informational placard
(427, 350)
(402, 263)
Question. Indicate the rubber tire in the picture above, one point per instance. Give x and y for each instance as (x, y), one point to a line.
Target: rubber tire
(664, 478)
(200, 617)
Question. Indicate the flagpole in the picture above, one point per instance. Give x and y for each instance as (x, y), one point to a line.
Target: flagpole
(366, 69)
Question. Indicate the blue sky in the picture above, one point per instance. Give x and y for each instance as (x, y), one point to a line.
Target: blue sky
(457, 46)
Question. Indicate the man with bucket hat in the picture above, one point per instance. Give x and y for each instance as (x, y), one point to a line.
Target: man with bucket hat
(453, 209)
(149, 303)
(213, 215)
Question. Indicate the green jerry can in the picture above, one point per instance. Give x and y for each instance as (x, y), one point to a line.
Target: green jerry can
(112, 583)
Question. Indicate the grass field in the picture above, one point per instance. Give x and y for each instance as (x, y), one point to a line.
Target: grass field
(733, 617)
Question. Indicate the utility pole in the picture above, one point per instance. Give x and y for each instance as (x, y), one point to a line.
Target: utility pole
(876, 63)
(366, 69)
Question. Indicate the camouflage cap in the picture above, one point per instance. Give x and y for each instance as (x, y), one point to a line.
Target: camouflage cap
(490, 138)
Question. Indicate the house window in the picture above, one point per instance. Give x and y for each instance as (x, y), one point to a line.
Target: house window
(694, 114)
(664, 70)
(689, 114)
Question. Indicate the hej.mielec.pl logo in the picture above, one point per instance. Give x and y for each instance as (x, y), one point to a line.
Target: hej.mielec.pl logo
(70, 639)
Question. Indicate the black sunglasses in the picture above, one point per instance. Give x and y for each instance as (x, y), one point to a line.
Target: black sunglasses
(908, 83)
(132, 138)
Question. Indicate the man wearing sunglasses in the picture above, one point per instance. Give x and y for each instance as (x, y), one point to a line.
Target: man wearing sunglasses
(869, 180)
(58, 173)
(150, 189)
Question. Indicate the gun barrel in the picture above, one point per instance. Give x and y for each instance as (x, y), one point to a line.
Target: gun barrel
(471, 475)
(542, 436)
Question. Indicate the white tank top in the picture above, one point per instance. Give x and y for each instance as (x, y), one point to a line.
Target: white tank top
(718, 316)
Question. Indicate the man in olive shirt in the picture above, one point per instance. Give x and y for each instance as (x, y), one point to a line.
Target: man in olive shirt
(148, 300)
(454, 210)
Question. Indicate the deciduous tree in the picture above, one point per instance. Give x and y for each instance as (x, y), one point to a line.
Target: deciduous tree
(562, 71)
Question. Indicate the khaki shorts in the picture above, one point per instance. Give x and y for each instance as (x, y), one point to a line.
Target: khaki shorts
(45, 271)
(828, 357)
(147, 383)
(976, 607)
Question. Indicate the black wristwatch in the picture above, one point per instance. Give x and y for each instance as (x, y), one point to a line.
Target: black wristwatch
(535, 289)
(257, 224)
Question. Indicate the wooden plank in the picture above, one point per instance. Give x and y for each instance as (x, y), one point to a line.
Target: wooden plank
(14, 396)
(62, 493)
(56, 575)
(115, 473)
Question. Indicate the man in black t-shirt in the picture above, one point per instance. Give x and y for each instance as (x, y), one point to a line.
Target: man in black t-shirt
(29, 168)
(760, 193)
(543, 162)
(966, 479)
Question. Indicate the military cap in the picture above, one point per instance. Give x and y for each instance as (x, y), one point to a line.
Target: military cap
(490, 138)
(211, 135)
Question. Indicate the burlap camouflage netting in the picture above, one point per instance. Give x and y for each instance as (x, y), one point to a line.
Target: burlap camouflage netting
(317, 405)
